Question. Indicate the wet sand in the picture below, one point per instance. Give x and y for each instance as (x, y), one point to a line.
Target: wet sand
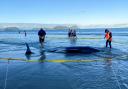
(109, 72)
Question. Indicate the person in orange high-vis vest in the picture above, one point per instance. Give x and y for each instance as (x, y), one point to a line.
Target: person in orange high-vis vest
(108, 37)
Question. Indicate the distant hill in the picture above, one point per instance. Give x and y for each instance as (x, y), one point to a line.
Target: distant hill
(36, 26)
(60, 27)
(29, 26)
(11, 29)
(66, 27)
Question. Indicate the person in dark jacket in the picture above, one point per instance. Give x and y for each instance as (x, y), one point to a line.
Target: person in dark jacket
(69, 33)
(25, 33)
(41, 35)
(72, 33)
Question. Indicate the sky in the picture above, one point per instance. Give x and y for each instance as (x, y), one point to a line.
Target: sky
(82, 12)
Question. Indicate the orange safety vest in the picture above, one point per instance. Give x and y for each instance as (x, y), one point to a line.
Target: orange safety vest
(107, 36)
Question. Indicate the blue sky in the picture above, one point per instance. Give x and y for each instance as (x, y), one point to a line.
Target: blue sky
(64, 11)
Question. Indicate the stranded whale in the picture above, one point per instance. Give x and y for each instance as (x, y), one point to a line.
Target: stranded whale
(75, 49)
(79, 49)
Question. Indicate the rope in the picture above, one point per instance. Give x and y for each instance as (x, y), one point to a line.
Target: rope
(6, 76)
(92, 38)
(55, 60)
(63, 60)
(117, 81)
(69, 38)
(119, 43)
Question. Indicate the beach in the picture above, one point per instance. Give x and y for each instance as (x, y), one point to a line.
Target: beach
(45, 69)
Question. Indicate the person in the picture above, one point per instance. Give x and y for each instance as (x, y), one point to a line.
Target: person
(108, 37)
(25, 34)
(74, 33)
(41, 35)
(19, 32)
(69, 33)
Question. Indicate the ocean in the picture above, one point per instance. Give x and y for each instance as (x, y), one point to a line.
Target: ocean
(45, 69)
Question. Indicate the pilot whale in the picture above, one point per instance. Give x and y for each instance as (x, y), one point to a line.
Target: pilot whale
(76, 49)
(79, 49)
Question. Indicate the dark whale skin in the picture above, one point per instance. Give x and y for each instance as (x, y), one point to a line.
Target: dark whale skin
(79, 49)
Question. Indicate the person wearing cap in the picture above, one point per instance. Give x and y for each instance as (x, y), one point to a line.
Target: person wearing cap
(41, 35)
(108, 36)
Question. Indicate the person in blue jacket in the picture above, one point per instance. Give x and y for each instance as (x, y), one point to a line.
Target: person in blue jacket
(41, 35)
